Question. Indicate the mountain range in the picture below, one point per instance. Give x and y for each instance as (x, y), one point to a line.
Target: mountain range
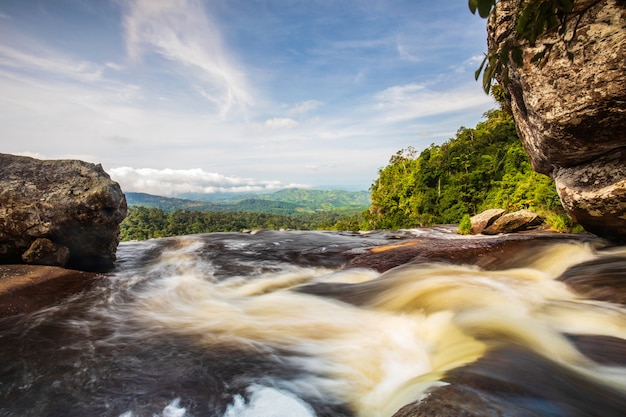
(287, 201)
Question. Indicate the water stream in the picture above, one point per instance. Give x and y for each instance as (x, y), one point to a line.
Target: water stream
(271, 325)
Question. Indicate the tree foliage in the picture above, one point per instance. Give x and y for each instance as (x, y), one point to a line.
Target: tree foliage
(480, 168)
(150, 222)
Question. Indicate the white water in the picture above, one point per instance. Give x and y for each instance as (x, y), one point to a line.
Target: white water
(411, 325)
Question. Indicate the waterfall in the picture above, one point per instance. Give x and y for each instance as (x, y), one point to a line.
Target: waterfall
(273, 324)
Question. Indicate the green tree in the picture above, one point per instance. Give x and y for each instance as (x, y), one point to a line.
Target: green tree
(480, 168)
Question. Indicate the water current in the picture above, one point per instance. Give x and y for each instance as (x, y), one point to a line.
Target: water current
(271, 324)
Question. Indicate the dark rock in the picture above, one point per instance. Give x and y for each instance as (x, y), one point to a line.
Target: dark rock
(73, 204)
(491, 253)
(485, 219)
(515, 381)
(514, 222)
(600, 279)
(45, 252)
(27, 288)
(569, 111)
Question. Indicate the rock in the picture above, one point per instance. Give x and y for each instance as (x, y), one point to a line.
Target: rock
(515, 381)
(570, 110)
(482, 220)
(45, 252)
(27, 288)
(601, 279)
(490, 253)
(514, 222)
(595, 195)
(73, 204)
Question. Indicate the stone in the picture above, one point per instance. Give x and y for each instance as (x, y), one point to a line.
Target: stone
(595, 195)
(45, 252)
(490, 253)
(514, 222)
(73, 204)
(570, 110)
(28, 288)
(485, 219)
(601, 279)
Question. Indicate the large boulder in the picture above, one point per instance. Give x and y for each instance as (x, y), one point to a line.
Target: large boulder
(570, 108)
(517, 221)
(58, 212)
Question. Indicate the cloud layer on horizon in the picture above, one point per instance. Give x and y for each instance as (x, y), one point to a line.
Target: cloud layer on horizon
(172, 182)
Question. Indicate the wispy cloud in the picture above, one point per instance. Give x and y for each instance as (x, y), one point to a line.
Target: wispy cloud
(182, 32)
(413, 101)
(45, 62)
(169, 182)
(280, 123)
(305, 107)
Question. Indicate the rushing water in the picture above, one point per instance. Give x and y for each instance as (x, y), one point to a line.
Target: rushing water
(271, 325)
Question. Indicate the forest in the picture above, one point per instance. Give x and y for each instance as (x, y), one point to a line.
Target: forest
(480, 168)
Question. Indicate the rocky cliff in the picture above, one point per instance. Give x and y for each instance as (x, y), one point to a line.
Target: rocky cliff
(570, 107)
(58, 212)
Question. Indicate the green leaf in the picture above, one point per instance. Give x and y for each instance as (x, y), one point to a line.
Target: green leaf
(473, 4)
(484, 7)
(480, 68)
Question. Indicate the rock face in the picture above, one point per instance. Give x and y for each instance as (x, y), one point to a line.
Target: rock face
(58, 212)
(570, 111)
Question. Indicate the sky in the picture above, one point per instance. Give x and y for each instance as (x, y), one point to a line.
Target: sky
(180, 96)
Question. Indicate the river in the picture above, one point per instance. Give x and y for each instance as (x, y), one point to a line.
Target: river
(271, 324)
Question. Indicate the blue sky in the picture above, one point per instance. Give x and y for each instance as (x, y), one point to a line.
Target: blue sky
(236, 95)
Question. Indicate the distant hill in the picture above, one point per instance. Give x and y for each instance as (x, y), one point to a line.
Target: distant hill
(288, 201)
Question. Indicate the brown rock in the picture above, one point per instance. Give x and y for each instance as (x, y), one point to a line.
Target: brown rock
(45, 252)
(27, 288)
(601, 279)
(500, 252)
(515, 381)
(514, 222)
(483, 220)
(71, 203)
(595, 195)
(570, 110)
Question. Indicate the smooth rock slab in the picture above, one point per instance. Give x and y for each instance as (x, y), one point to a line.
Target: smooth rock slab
(27, 288)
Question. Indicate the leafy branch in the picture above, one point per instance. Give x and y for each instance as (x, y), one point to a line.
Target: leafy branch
(534, 19)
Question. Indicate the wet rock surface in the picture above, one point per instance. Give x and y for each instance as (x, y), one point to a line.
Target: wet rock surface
(513, 381)
(27, 288)
(600, 279)
(497, 252)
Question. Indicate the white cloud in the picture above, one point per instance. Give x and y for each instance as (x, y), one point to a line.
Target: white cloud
(413, 101)
(280, 123)
(406, 54)
(183, 33)
(305, 107)
(45, 62)
(169, 182)
(471, 63)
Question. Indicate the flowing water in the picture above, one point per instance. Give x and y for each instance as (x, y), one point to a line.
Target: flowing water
(271, 325)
